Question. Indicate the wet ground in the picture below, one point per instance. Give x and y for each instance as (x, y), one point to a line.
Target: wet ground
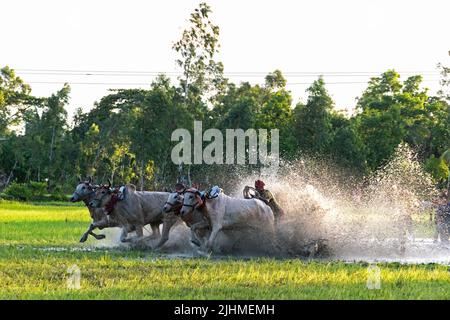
(417, 250)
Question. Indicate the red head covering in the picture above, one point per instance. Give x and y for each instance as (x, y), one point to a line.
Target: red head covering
(259, 184)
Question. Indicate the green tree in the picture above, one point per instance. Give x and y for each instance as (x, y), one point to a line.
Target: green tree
(446, 159)
(202, 76)
(347, 147)
(15, 99)
(438, 168)
(312, 121)
(275, 111)
(44, 138)
(391, 112)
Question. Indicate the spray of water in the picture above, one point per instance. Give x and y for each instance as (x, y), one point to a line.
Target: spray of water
(331, 213)
(380, 217)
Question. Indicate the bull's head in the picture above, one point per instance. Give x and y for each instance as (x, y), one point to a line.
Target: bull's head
(192, 200)
(174, 202)
(83, 191)
(102, 196)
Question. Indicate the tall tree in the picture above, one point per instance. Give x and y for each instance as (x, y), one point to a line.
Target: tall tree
(202, 75)
(15, 99)
(312, 121)
(391, 112)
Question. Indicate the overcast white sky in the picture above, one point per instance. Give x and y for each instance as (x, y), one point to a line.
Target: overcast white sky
(256, 36)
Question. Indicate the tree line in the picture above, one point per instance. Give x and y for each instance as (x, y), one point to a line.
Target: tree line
(126, 136)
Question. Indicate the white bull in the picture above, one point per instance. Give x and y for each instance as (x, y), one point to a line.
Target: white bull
(227, 213)
(195, 220)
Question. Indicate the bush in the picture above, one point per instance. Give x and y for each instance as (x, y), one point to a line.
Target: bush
(18, 191)
(4, 196)
(38, 189)
(27, 191)
(58, 197)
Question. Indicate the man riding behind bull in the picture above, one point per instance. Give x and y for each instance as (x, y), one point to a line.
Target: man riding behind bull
(268, 198)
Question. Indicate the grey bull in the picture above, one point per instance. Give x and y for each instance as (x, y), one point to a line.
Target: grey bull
(137, 209)
(85, 192)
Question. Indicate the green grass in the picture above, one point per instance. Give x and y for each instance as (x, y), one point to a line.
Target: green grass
(41, 225)
(30, 270)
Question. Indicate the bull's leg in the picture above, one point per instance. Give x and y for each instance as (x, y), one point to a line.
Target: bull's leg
(155, 230)
(195, 228)
(92, 227)
(198, 240)
(87, 233)
(97, 236)
(168, 221)
(197, 252)
(124, 234)
(212, 237)
(127, 230)
(139, 232)
(194, 239)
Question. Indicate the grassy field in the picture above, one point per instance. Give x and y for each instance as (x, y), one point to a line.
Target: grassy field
(38, 243)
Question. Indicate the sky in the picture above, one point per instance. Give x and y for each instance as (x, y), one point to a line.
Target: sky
(347, 41)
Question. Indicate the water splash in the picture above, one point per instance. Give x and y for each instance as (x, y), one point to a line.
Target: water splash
(375, 218)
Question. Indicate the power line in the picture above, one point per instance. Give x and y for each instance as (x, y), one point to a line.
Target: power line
(226, 74)
(147, 84)
(237, 74)
(234, 73)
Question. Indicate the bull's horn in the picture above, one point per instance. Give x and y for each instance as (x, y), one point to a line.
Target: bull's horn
(90, 179)
(109, 183)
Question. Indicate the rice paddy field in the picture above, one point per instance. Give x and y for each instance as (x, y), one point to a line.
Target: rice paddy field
(39, 252)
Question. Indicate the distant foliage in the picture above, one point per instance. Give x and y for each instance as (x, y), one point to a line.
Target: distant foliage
(32, 191)
(26, 191)
(438, 169)
(126, 135)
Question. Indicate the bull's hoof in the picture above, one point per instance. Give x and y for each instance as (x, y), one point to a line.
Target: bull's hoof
(100, 236)
(201, 254)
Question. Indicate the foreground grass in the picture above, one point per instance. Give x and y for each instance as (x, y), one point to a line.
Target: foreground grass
(35, 267)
